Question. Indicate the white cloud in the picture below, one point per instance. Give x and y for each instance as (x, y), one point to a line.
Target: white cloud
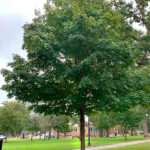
(22, 7)
(13, 15)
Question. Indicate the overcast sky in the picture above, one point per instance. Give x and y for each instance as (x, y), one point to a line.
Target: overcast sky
(13, 15)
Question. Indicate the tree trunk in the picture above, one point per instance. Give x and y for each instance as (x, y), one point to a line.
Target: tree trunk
(82, 128)
(45, 137)
(65, 134)
(40, 135)
(132, 132)
(23, 136)
(58, 135)
(125, 137)
(107, 133)
(145, 126)
(32, 136)
(101, 134)
(50, 134)
(125, 134)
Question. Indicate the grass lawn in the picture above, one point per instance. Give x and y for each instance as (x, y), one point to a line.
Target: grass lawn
(62, 144)
(136, 147)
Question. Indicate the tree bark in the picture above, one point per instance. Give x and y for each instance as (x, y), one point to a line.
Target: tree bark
(132, 132)
(32, 136)
(58, 135)
(82, 128)
(65, 134)
(50, 134)
(23, 136)
(45, 137)
(145, 126)
(125, 134)
(101, 134)
(107, 133)
(40, 135)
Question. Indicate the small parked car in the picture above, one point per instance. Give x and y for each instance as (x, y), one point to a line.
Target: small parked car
(2, 136)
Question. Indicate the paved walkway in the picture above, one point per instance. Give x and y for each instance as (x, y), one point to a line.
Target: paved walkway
(107, 147)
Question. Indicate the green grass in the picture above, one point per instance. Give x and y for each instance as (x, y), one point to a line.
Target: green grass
(62, 144)
(136, 147)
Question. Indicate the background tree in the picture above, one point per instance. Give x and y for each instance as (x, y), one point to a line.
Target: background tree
(141, 92)
(61, 125)
(34, 124)
(129, 121)
(78, 54)
(138, 12)
(46, 123)
(135, 10)
(104, 122)
(14, 118)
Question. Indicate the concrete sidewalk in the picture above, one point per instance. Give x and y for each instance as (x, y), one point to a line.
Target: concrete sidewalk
(105, 147)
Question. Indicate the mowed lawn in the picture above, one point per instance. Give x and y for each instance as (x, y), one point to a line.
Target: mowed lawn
(136, 147)
(62, 144)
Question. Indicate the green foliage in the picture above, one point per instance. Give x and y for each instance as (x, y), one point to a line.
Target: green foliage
(103, 120)
(136, 10)
(34, 123)
(61, 124)
(47, 123)
(14, 118)
(141, 89)
(130, 120)
(78, 57)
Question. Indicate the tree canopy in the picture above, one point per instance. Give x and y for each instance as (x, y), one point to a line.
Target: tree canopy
(14, 118)
(73, 59)
(103, 121)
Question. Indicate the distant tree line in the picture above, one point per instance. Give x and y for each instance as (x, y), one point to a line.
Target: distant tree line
(16, 118)
(128, 122)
